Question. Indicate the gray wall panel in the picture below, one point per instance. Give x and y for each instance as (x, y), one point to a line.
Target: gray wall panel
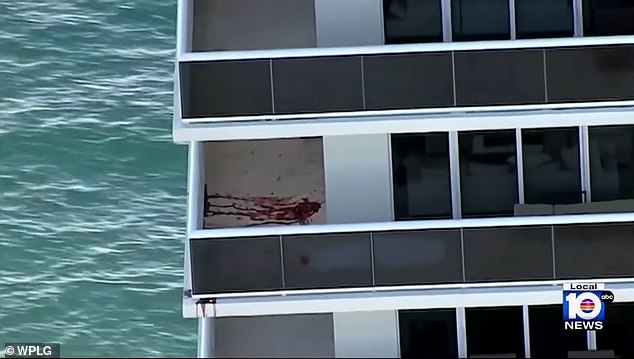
(279, 336)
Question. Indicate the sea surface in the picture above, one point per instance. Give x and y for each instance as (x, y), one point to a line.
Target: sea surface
(92, 190)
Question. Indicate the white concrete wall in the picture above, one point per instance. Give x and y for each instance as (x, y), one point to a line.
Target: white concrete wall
(358, 178)
(253, 24)
(349, 22)
(366, 334)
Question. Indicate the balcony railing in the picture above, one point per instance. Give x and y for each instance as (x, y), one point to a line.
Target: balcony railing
(393, 254)
(447, 77)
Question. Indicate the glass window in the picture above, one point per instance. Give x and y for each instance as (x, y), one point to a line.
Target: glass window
(618, 333)
(551, 166)
(420, 166)
(548, 337)
(543, 18)
(608, 17)
(611, 162)
(428, 333)
(497, 330)
(408, 21)
(474, 20)
(488, 173)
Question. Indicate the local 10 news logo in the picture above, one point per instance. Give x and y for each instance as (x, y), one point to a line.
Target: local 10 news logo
(584, 305)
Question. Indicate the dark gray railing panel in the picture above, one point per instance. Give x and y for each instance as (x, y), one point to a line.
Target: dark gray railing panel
(517, 253)
(327, 261)
(226, 88)
(590, 73)
(236, 265)
(317, 84)
(412, 257)
(598, 250)
(417, 257)
(415, 80)
(502, 77)
(406, 81)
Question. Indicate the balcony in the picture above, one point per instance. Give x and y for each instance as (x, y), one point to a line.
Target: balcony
(414, 253)
(401, 79)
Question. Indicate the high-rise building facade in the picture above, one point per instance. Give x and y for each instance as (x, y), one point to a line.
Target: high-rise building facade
(406, 178)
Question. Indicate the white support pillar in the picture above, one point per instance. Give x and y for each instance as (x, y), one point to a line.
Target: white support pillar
(461, 331)
(205, 338)
(366, 334)
(349, 22)
(592, 339)
(358, 176)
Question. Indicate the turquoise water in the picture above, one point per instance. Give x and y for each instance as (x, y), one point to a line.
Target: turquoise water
(92, 191)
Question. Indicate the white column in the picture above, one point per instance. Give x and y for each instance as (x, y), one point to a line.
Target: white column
(358, 174)
(205, 338)
(349, 22)
(358, 178)
(366, 334)
(461, 331)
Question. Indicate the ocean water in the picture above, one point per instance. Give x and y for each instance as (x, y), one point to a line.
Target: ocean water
(92, 190)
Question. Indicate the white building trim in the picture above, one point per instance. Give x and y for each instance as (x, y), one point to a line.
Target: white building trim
(492, 295)
(412, 225)
(455, 111)
(408, 121)
(403, 48)
(184, 19)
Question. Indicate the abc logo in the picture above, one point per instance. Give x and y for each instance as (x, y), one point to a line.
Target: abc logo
(587, 305)
(607, 297)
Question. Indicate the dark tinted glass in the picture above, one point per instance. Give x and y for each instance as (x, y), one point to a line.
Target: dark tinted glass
(418, 80)
(421, 176)
(226, 88)
(618, 332)
(235, 264)
(428, 333)
(498, 330)
(521, 253)
(317, 84)
(600, 250)
(327, 261)
(551, 166)
(543, 18)
(548, 337)
(417, 257)
(499, 77)
(488, 173)
(612, 163)
(408, 21)
(474, 20)
(608, 17)
(606, 73)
